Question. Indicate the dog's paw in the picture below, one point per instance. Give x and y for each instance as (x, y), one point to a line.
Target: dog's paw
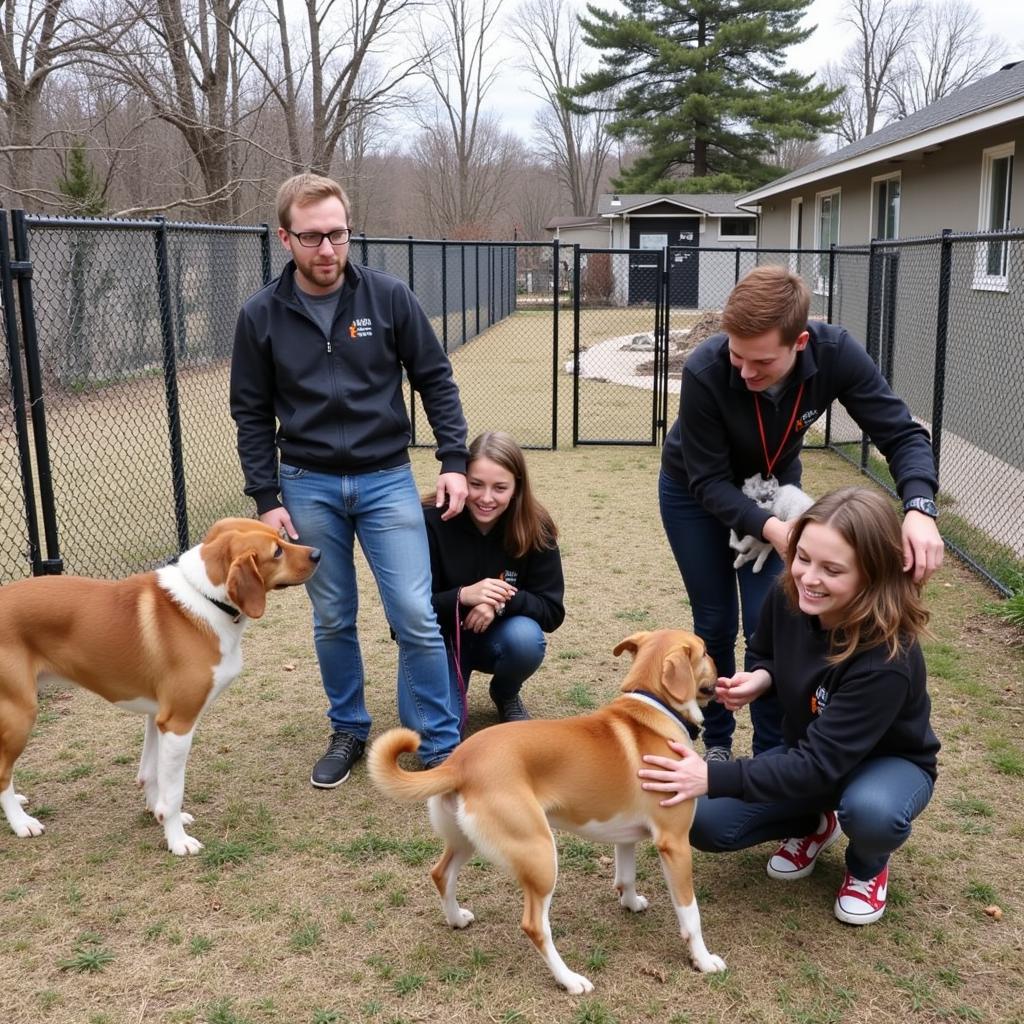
(462, 918)
(576, 984)
(186, 818)
(21, 799)
(710, 964)
(28, 828)
(633, 901)
(185, 846)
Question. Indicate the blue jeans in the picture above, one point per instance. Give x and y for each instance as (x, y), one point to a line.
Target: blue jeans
(510, 649)
(875, 805)
(700, 544)
(383, 510)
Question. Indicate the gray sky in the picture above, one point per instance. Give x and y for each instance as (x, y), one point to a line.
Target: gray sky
(1005, 17)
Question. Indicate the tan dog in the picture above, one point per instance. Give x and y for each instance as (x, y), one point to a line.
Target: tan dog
(504, 788)
(162, 643)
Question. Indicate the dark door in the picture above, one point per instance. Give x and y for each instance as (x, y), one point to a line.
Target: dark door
(677, 233)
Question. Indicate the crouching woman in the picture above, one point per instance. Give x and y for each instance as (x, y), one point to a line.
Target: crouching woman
(837, 643)
(497, 576)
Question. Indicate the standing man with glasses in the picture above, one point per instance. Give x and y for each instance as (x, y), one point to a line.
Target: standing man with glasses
(323, 437)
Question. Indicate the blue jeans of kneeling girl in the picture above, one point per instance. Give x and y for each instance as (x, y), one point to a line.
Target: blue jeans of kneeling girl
(875, 806)
(510, 649)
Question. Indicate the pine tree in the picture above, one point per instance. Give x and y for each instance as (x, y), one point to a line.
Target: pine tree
(80, 184)
(703, 87)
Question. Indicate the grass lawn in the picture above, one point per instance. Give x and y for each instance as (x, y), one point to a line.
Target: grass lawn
(311, 907)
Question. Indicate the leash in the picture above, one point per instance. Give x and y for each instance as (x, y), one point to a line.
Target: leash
(463, 702)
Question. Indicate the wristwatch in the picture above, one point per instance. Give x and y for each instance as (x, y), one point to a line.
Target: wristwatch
(925, 505)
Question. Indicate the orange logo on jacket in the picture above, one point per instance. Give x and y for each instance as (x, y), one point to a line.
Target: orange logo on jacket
(362, 327)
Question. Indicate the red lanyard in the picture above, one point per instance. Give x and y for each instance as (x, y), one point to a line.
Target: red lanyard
(769, 462)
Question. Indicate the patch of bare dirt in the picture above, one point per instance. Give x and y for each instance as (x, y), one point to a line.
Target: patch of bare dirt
(681, 344)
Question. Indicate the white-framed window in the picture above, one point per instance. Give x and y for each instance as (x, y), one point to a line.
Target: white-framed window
(737, 229)
(991, 265)
(826, 232)
(796, 231)
(885, 206)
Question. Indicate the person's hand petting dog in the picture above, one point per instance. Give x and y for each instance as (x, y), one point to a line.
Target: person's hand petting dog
(687, 778)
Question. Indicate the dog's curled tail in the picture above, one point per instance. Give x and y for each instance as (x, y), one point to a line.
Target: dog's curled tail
(396, 782)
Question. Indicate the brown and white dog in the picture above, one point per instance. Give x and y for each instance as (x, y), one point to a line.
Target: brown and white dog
(162, 643)
(504, 788)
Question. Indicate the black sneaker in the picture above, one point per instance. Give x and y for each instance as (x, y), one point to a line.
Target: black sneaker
(511, 710)
(335, 766)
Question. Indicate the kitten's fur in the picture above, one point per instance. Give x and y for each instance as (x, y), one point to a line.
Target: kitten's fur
(784, 501)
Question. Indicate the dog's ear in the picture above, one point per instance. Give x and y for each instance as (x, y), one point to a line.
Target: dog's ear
(677, 676)
(245, 586)
(631, 644)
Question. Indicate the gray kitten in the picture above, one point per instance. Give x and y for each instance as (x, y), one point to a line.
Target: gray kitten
(784, 501)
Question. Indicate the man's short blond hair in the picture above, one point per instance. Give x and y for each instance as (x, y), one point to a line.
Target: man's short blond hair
(304, 190)
(768, 297)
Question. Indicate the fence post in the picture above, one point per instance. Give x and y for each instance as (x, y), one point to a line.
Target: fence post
(476, 283)
(444, 295)
(941, 339)
(364, 248)
(265, 252)
(171, 384)
(17, 393)
(872, 340)
(52, 564)
(576, 344)
(462, 288)
(555, 267)
(828, 319)
(736, 275)
(412, 394)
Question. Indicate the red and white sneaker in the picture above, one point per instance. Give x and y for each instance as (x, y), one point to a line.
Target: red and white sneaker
(796, 858)
(859, 902)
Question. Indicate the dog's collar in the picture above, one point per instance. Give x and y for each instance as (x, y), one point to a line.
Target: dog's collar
(666, 709)
(228, 609)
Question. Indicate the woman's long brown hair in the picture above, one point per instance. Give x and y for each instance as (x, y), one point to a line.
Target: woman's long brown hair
(888, 611)
(528, 524)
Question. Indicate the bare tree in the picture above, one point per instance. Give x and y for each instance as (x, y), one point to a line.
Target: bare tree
(178, 56)
(576, 144)
(323, 75)
(37, 39)
(465, 190)
(466, 144)
(883, 33)
(791, 154)
(949, 51)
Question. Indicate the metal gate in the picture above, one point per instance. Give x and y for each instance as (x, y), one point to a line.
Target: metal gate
(619, 347)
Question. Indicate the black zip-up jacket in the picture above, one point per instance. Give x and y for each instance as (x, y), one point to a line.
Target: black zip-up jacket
(715, 443)
(835, 717)
(461, 555)
(335, 404)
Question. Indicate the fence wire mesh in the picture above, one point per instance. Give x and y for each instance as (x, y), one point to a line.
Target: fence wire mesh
(15, 561)
(618, 349)
(133, 324)
(134, 321)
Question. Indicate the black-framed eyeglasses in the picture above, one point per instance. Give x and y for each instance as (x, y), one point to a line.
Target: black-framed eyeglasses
(314, 239)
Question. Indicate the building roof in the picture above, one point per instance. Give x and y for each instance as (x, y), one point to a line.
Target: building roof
(575, 222)
(711, 204)
(986, 103)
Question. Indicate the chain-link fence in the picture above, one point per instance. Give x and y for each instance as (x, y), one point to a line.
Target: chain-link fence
(942, 321)
(126, 329)
(124, 443)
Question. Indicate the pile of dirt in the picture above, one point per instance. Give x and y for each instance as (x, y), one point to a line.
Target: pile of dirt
(682, 343)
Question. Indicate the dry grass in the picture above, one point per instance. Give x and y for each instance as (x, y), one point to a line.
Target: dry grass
(312, 907)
